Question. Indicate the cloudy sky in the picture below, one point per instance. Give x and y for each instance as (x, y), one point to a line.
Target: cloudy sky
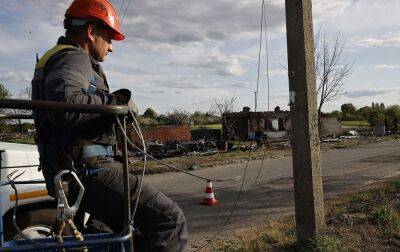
(185, 54)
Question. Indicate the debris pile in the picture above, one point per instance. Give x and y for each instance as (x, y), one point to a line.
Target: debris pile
(174, 148)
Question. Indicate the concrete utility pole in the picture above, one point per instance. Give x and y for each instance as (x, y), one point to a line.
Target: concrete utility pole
(308, 193)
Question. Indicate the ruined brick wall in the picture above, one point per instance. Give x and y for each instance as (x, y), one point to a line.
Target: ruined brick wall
(163, 133)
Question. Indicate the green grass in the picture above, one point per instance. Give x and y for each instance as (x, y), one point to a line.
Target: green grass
(383, 214)
(22, 140)
(209, 126)
(325, 244)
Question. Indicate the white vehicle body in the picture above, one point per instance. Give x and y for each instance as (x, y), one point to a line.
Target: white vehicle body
(13, 155)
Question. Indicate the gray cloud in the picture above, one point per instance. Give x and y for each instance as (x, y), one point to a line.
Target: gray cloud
(16, 77)
(374, 42)
(157, 92)
(364, 93)
(235, 85)
(219, 64)
(387, 67)
(197, 20)
(216, 35)
(182, 84)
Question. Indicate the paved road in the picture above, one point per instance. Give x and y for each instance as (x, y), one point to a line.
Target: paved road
(272, 195)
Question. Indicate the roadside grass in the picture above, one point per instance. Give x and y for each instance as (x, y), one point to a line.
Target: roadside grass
(350, 143)
(368, 220)
(197, 162)
(355, 123)
(208, 126)
(22, 139)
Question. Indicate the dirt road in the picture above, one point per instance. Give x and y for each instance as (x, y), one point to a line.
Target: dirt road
(272, 194)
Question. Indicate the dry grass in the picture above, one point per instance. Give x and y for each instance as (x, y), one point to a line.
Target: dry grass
(278, 235)
(222, 158)
(365, 221)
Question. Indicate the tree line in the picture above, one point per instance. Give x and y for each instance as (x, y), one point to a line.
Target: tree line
(376, 114)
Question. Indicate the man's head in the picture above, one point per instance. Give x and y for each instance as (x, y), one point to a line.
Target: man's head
(93, 24)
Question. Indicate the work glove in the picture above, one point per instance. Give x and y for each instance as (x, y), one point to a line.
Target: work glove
(123, 97)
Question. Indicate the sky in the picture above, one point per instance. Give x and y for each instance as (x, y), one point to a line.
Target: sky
(187, 54)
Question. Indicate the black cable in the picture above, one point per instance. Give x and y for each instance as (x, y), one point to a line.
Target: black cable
(140, 135)
(259, 170)
(19, 166)
(215, 235)
(264, 18)
(174, 167)
(266, 49)
(121, 7)
(126, 12)
(259, 59)
(14, 217)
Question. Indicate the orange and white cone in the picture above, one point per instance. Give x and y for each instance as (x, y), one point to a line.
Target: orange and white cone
(209, 200)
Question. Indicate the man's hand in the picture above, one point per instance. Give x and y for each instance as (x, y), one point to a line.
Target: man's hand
(123, 97)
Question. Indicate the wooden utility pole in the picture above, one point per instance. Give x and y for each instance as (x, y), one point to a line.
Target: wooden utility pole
(309, 204)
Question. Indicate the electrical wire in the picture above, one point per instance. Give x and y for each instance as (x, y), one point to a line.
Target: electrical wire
(264, 18)
(137, 129)
(215, 235)
(126, 12)
(174, 167)
(266, 51)
(139, 133)
(259, 170)
(14, 216)
(121, 6)
(259, 60)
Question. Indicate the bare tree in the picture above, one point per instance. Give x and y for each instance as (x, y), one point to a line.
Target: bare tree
(222, 106)
(330, 68)
(24, 94)
(178, 117)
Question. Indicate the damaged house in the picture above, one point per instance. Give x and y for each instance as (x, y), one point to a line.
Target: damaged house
(247, 125)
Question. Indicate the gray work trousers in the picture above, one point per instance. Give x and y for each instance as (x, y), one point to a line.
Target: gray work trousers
(159, 222)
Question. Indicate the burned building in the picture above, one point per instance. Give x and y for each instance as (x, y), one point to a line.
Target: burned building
(247, 125)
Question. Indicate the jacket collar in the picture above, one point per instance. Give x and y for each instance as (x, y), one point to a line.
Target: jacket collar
(66, 41)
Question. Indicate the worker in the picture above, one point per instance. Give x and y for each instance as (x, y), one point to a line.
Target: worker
(70, 72)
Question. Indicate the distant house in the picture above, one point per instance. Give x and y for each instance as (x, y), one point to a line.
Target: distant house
(247, 125)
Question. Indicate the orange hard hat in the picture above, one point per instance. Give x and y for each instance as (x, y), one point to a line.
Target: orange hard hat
(98, 9)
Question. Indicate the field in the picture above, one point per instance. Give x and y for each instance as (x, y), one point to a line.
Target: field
(355, 125)
(209, 126)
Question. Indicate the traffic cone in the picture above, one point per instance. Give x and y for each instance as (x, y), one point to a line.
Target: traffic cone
(209, 200)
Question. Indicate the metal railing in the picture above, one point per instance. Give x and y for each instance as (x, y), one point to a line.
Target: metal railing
(50, 106)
